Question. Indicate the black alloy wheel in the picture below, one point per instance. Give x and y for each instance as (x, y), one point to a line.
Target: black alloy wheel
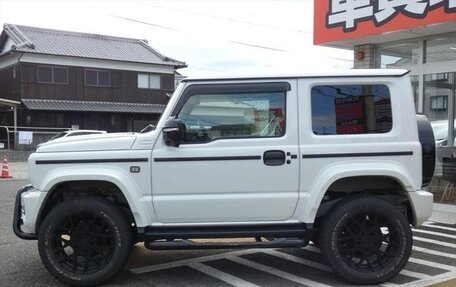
(85, 241)
(366, 240)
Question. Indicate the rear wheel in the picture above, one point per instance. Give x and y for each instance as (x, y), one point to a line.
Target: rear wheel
(366, 240)
(85, 241)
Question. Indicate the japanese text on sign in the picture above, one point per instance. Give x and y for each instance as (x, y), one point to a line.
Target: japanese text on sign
(347, 13)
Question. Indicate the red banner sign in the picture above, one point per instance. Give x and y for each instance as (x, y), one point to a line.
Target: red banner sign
(337, 20)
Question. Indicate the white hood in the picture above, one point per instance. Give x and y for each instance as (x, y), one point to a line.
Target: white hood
(98, 142)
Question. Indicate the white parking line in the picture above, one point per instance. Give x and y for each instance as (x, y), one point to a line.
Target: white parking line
(431, 280)
(413, 274)
(432, 264)
(446, 244)
(298, 260)
(433, 252)
(276, 272)
(145, 269)
(225, 277)
(439, 226)
(435, 233)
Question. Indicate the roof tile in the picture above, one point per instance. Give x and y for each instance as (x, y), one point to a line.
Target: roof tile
(73, 44)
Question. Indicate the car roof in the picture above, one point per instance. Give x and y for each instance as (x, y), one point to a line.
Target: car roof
(331, 74)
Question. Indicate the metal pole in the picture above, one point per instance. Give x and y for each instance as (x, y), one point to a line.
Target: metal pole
(15, 126)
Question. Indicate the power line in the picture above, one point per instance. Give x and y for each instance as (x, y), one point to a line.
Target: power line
(225, 18)
(253, 45)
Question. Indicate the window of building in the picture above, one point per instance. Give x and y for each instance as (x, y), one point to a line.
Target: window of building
(351, 109)
(149, 81)
(400, 54)
(439, 102)
(52, 75)
(100, 78)
(235, 115)
(440, 49)
(437, 87)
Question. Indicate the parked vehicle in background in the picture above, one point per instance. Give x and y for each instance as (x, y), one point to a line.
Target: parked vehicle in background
(440, 129)
(339, 159)
(72, 133)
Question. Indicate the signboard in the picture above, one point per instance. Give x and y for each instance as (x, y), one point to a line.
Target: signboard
(25, 137)
(349, 115)
(337, 20)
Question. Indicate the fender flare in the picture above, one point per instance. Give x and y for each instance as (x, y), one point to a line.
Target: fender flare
(312, 198)
(114, 175)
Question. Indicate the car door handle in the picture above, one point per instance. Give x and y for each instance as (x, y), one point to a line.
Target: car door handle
(274, 157)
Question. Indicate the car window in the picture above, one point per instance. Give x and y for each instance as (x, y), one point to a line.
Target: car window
(233, 115)
(351, 109)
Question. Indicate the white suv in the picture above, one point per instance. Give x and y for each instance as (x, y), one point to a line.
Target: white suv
(338, 159)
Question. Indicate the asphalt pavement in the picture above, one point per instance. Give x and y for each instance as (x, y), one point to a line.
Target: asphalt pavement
(433, 260)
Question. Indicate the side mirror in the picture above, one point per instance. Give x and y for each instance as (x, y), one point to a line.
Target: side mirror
(173, 132)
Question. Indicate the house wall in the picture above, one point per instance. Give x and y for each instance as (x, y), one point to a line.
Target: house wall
(124, 87)
(9, 86)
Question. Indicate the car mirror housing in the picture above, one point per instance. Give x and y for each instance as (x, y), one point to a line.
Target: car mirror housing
(173, 132)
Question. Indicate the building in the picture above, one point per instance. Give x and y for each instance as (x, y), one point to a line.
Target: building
(418, 35)
(61, 79)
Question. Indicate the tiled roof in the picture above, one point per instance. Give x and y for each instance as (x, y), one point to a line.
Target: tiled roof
(73, 44)
(92, 106)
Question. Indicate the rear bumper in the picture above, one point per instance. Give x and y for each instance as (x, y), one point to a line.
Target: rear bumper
(421, 202)
(26, 207)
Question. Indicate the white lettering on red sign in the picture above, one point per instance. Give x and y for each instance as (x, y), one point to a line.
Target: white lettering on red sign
(347, 13)
(388, 8)
(452, 4)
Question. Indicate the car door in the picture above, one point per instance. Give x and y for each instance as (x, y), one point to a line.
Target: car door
(238, 159)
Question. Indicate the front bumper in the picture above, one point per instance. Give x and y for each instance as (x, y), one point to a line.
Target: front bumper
(26, 210)
(421, 202)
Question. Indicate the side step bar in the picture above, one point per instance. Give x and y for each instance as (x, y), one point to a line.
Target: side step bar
(189, 244)
(277, 231)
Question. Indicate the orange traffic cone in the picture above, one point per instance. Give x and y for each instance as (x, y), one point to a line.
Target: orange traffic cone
(5, 169)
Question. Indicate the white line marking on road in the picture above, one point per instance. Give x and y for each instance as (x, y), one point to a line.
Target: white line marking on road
(298, 260)
(435, 233)
(411, 259)
(431, 280)
(432, 264)
(276, 272)
(434, 241)
(433, 252)
(225, 277)
(389, 284)
(439, 226)
(413, 274)
(183, 262)
(312, 248)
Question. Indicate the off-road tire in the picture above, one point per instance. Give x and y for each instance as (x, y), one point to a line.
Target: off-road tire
(101, 238)
(355, 228)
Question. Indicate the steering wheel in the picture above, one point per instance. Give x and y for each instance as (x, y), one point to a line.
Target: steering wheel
(202, 133)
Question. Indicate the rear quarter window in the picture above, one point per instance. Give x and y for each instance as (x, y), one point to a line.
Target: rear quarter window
(351, 109)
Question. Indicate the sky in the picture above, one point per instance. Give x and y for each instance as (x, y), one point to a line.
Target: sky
(213, 37)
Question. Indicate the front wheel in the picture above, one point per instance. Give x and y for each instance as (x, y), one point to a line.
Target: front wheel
(366, 240)
(85, 241)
